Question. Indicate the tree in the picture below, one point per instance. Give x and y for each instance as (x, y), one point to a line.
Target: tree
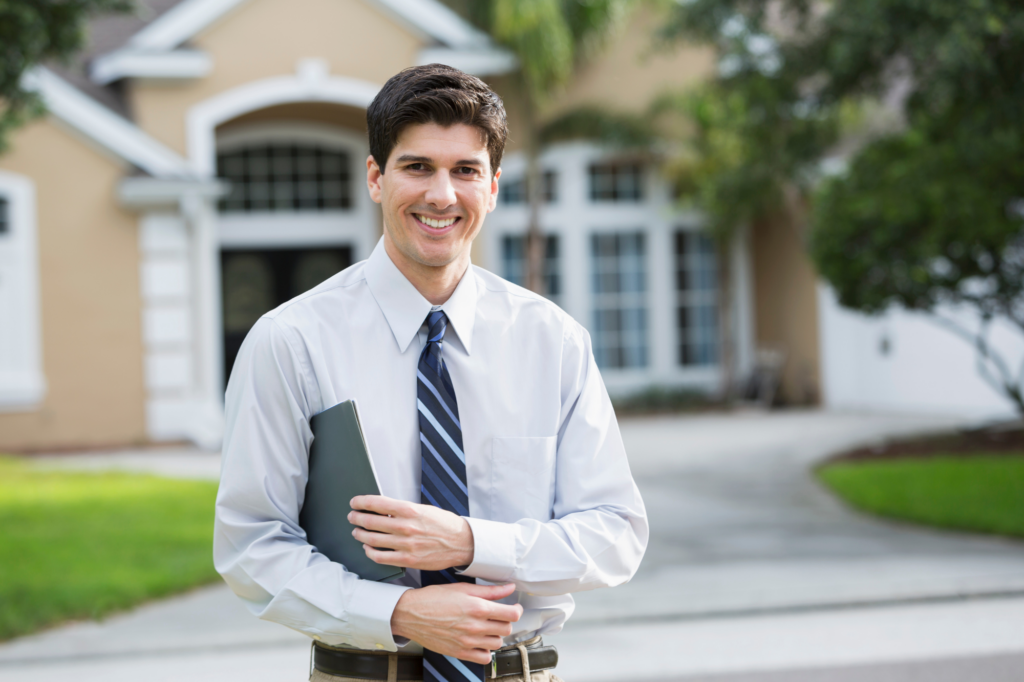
(550, 38)
(32, 32)
(928, 209)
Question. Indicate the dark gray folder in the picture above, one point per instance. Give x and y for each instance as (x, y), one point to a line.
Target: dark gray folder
(339, 469)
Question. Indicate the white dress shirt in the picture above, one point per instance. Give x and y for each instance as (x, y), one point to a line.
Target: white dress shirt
(553, 507)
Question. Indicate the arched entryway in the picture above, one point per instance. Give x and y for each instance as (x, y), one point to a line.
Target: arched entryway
(297, 212)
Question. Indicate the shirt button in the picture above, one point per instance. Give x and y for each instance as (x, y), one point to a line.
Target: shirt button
(316, 637)
(380, 646)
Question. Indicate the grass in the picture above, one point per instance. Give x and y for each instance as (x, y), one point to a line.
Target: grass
(982, 493)
(81, 545)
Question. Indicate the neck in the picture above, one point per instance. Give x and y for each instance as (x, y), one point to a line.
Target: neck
(435, 283)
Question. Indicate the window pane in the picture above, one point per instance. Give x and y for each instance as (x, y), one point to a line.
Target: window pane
(697, 298)
(513, 191)
(5, 219)
(285, 177)
(620, 307)
(616, 182)
(513, 263)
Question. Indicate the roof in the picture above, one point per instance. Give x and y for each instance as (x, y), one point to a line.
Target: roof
(104, 34)
(86, 93)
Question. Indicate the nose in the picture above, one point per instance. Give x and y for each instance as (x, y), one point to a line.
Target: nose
(441, 192)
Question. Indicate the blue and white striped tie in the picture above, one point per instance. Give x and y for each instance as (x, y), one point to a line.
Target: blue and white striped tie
(443, 475)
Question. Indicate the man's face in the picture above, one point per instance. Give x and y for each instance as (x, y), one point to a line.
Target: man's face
(435, 192)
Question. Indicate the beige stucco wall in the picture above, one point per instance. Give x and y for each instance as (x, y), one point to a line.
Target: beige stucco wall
(630, 71)
(786, 307)
(266, 38)
(626, 74)
(90, 299)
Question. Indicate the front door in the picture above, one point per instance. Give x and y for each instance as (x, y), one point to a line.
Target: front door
(256, 281)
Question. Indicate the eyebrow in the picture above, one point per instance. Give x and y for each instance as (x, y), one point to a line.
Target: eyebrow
(411, 158)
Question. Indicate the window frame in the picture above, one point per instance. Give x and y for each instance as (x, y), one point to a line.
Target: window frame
(22, 380)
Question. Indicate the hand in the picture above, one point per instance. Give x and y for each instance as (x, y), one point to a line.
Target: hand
(460, 619)
(422, 536)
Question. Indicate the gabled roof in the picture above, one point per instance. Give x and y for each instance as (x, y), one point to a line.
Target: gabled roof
(187, 18)
(104, 127)
(153, 43)
(155, 50)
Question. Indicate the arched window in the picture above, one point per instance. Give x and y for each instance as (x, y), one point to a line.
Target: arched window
(289, 167)
(286, 176)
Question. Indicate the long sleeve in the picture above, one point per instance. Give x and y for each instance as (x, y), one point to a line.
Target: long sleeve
(598, 531)
(259, 547)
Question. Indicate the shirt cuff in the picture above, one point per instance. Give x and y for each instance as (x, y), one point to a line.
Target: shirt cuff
(494, 550)
(369, 613)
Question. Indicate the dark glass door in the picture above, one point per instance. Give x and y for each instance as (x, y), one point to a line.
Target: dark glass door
(256, 281)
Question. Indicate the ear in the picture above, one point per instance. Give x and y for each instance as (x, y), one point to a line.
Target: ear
(373, 177)
(494, 192)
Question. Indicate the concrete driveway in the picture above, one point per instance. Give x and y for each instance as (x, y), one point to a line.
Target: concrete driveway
(753, 574)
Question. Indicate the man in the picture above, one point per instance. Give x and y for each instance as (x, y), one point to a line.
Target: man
(497, 451)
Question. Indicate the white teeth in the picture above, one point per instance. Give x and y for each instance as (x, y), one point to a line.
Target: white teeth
(436, 223)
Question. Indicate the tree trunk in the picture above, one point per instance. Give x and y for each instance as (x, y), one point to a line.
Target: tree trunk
(535, 196)
(727, 321)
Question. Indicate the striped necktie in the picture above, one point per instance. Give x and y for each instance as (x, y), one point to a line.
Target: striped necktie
(443, 475)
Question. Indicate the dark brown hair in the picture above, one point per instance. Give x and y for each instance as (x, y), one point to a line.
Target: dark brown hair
(439, 94)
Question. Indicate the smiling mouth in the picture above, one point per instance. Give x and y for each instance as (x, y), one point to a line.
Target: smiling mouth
(436, 223)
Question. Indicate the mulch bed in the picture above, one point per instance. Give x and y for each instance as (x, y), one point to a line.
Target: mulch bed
(1003, 439)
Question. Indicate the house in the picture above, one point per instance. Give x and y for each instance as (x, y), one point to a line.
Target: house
(202, 163)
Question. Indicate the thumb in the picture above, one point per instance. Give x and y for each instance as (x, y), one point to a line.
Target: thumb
(491, 592)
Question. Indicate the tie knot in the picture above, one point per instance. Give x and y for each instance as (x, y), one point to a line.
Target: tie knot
(437, 323)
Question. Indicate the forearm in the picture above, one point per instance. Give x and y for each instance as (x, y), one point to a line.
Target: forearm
(282, 579)
(581, 551)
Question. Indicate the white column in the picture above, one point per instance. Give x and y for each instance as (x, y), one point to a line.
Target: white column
(22, 383)
(743, 303)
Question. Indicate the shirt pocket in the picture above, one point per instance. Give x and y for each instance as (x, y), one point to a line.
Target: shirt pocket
(522, 478)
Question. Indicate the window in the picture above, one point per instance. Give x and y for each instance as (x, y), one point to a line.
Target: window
(22, 383)
(513, 263)
(696, 299)
(620, 307)
(616, 182)
(513, 192)
(286, 177)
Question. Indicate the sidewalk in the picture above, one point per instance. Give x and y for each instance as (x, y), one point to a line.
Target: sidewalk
(752, 568)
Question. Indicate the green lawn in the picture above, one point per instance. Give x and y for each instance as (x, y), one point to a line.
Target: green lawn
(983, 493)
(80, 545)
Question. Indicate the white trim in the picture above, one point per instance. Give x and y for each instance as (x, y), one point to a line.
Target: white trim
(116, 134)
(130, 63)
(301, 229)
(488, 61)
(151, 192)
(288, 131)
(22, 382)
(437, 21)
(427, 17)
(311, 83)
(181, 23)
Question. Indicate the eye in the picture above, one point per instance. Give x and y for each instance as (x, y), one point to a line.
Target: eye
(466, 170)
(415, 167)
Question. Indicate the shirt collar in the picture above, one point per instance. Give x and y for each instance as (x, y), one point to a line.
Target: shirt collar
(405, 308)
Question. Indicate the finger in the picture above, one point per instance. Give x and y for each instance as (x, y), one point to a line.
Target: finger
(377, 539)
(485, 642)
(490, 592)
(503, 612)
(383, 524)
(481, 656)
(386, 558)
(380, 504)
(498, 628)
